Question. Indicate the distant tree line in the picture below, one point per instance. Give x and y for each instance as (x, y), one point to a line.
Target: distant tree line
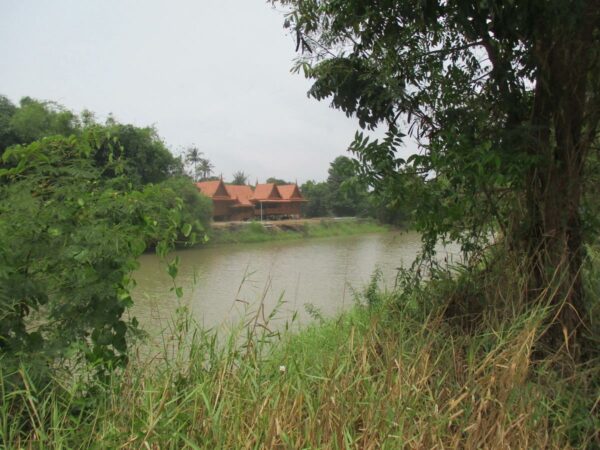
(345, 193)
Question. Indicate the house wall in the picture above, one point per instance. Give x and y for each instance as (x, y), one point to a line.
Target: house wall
(220, 209)
(279, 209)
(241, 213)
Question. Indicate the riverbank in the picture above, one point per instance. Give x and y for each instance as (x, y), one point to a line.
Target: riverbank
(391, 373)
(248, 232)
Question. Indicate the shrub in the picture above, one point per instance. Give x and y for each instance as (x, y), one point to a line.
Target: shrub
(69, 239)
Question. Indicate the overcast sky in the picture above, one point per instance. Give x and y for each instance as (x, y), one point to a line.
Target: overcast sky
(215, 73)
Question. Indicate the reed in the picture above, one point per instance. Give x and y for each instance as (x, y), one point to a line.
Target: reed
(390, 373)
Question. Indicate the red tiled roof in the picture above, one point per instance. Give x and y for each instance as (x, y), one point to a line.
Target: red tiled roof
(214, 189)
(241, 193)
(242, 196)
(266, 191)
(290, 192)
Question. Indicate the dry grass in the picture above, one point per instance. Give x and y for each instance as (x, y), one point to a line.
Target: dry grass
(391, 375)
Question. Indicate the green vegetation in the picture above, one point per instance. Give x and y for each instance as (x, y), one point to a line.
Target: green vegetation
(143, 155)
(256, 232)
(79, 203)
(346, 193)
(502, 351)
(239, 177)
(501, 98)
(200, 168)
(391, 373)
(277, 181)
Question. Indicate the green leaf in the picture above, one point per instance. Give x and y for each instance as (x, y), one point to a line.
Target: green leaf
(173, 268)
(187, 229)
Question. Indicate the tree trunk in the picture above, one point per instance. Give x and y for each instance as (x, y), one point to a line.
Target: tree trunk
(555, 186)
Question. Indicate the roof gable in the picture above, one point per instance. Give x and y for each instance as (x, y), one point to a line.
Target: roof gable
(267, 191)
(290, 191)
(213, 189)
(241, 193)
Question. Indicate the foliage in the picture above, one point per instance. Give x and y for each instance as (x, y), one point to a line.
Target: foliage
(277, 181)
(501, 97)
(389, 376)
(200, 168)
(240, 178)
(34, 120)
(7, 134)
(145, 156)
(180, 194)
(397, 198)
(69, 239)
(317, 195)
(348, 193)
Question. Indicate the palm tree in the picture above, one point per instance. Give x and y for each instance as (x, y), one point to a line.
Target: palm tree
(240, 177)
(205, 168)
(193, 156)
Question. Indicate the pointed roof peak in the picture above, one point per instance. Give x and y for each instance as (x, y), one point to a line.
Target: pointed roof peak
(213, 188)
(290, 191)
(266, 191)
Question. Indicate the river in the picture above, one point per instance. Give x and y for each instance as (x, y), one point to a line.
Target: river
(221, 284)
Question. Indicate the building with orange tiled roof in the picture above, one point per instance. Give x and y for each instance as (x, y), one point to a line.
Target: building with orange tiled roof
(241, 202)
(267, 191)
(290, 192)
(222, 200)
(243, 208)
(271, 202)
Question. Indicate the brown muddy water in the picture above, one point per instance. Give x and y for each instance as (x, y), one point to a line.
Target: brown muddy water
(225, 283)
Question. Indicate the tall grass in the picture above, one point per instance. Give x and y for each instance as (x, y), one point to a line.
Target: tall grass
(390, 373)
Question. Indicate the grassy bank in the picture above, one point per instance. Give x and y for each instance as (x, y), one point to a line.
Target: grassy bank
(391, 373)
(256, 232)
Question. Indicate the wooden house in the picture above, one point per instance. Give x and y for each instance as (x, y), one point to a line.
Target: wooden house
(241, 202)
(222, 201)
(242, 208)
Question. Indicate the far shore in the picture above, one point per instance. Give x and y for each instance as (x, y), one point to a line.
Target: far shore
(271, 230)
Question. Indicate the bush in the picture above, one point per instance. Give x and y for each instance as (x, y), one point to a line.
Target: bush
(69, 239)
(179, 197)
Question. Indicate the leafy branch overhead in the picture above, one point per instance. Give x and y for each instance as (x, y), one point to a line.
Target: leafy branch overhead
(502, 99)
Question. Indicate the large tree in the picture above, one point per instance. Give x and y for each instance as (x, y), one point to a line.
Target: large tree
(7, 135)
(348, 195)
(503, 98)
(317, 194)
(277, 181)
(145, 157)
(32, 120)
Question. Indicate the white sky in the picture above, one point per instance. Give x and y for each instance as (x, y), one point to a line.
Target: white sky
(215, 73)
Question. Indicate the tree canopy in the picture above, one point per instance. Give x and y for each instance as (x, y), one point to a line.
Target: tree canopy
(348, 193)
(502, 98)
(200, 168)
(79, 203)
(345, 193)
(240, 177)
(145, 157)
(277, 181)
(33, 120)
